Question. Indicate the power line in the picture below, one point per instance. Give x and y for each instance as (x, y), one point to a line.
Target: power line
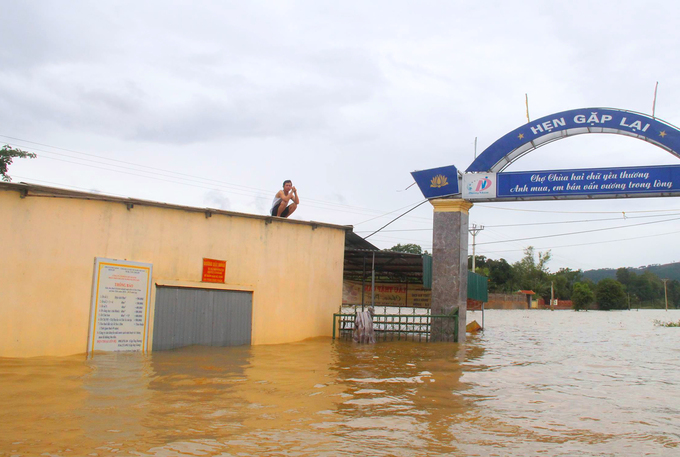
(580, 232)
(257, 193)
(391, 212)
(226, 187)
(403, 214)
(388, 238)
(522, 248)
(500, 235)
(474, 231)
(397, 230)
(385, 238)
(582, 221)
(213, 187)
(537, 223)
(482, 205)
(159, 179)
(120, 195)
(244, 190)
(174, 180)
(398, 238)
(590, 243)
(68, 186)
(485, 253)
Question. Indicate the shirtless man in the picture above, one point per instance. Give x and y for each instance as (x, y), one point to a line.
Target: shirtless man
(280, 205)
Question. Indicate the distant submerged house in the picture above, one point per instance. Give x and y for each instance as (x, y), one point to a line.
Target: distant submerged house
(528, 296)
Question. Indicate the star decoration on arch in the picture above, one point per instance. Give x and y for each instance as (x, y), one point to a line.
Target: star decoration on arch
(520, 136)
(663, 134)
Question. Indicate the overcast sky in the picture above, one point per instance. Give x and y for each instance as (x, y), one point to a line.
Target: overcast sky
(214, 104)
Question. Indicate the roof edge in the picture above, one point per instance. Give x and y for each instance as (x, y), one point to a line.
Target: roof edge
(35, 190)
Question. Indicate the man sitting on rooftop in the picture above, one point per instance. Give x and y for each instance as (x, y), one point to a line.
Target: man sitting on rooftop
(280, 206)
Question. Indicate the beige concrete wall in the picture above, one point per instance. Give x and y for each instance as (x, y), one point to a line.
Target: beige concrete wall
(506, 301)
(48, 247)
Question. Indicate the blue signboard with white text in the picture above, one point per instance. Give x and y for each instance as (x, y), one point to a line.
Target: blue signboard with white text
(437, 182)
(610, 182)
(485, 179)
(575, 122)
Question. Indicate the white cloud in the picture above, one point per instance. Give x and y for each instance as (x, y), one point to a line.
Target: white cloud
(216, 199)
(343, 98)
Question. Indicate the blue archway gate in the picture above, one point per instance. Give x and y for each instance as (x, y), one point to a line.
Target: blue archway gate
(485, 180)
(557, 126)
(452, 192)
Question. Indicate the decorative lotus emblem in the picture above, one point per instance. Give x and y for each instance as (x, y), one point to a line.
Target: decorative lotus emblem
(439, 181)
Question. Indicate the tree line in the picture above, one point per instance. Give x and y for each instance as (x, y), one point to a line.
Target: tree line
(629, 289)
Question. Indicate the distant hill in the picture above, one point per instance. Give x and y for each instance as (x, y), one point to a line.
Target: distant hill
(669, 270)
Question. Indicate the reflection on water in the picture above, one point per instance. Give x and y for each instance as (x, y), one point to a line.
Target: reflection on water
(559, 383)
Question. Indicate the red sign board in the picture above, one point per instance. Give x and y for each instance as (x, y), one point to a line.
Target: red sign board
(214, 270)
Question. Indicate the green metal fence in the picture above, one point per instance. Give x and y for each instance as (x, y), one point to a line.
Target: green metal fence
(391, 327)
(477, 287)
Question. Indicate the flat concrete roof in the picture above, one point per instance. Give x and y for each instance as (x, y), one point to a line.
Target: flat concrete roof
(34, 190)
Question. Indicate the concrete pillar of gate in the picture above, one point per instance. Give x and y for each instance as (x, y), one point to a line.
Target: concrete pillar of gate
(449, 264)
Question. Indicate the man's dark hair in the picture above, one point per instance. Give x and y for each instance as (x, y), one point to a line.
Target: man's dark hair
(287, 180)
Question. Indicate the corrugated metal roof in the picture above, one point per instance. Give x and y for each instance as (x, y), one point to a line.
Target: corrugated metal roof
(354, 241)
(391, 265)
(402, 267)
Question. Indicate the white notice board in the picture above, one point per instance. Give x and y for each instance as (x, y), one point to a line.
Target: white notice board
(119, 317)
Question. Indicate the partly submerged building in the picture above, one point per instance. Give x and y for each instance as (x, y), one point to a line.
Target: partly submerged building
(83, 271)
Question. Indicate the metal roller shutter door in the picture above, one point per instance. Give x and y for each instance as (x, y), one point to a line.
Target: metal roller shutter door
(186, 316)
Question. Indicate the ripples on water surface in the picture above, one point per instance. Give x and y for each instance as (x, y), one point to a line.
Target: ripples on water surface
(535, 382)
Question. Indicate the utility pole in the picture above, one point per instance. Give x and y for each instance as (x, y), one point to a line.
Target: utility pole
(552, 296)
(373, 282)
(473, 231)
(665, 292)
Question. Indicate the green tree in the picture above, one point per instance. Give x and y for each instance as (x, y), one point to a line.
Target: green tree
(609, 294)
(499, 272)
(480, 261)
(647, 287)
(407, 248)
(7, 154)
(482, 266)
(655, 286)
(564, 281)
(625, 276)
(501, 276)
(673, 293)
(532, 274)
(581, 296)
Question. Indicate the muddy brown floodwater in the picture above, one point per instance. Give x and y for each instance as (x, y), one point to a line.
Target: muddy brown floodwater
(534, 382)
